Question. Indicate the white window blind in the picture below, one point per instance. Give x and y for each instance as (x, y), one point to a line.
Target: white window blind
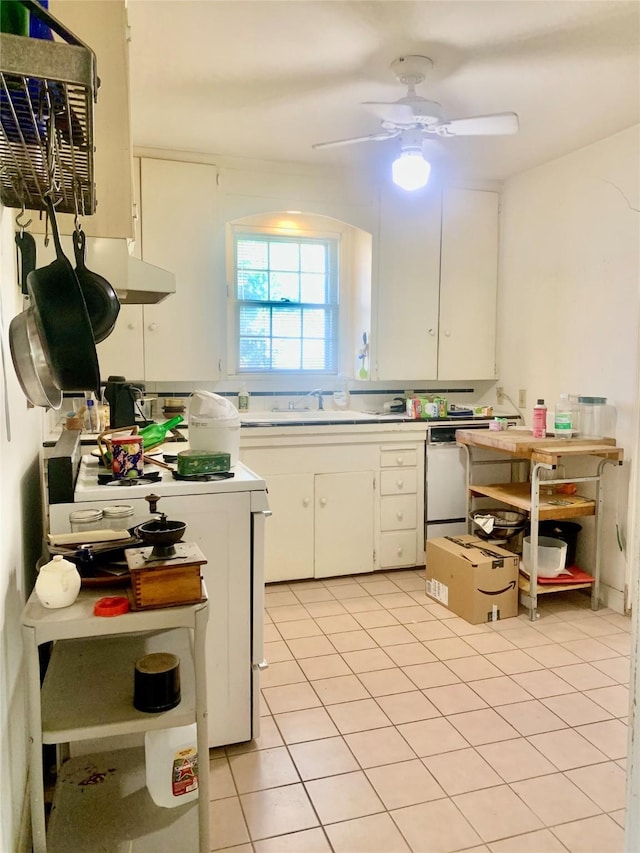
(286, 293)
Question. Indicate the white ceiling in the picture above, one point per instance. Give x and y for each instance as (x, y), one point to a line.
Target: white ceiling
(267, 78)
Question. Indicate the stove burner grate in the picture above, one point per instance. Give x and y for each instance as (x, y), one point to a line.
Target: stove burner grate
(110, 480)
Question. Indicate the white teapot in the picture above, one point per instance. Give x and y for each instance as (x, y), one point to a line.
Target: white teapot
(58, 583)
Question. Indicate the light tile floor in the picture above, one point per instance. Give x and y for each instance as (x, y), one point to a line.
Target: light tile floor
(389, 725)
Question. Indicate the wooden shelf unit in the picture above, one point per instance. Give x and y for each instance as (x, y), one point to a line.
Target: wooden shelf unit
(540, 497)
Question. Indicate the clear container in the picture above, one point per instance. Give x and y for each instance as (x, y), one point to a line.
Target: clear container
(596, 419)
(82, 520)
(552, 555)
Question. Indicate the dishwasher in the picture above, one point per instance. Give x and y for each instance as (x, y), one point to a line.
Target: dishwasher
(446, 477)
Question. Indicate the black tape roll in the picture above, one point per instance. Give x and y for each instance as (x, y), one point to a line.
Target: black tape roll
(157, 682)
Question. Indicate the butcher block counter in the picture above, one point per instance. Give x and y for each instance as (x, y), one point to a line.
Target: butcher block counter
(522, 444)
(544, 498)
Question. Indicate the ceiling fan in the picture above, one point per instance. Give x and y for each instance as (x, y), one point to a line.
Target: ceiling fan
(413, 112)
(413, 118)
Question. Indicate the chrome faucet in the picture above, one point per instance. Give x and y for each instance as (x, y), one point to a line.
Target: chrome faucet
(317, 392)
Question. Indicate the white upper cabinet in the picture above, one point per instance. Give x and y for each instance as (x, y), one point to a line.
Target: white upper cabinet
(406, 343)
(102, 25)
(468, 284)
(179, 220)
(437, 285)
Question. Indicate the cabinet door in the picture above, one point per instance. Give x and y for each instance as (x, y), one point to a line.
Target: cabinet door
(406, 344)
(182, 339)
(289, 531)
(104, 27)
(122, 353)
(343, 523)
(468, 284)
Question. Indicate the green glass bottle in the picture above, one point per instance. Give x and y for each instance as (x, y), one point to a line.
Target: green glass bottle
(155, 434)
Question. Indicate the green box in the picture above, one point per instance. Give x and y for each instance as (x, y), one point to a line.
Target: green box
(192, 462)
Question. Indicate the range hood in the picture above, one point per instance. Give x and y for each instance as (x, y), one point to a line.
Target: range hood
(135, 282)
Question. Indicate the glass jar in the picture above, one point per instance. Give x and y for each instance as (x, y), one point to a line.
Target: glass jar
(117, 517)
(82, 520)
(596, 419)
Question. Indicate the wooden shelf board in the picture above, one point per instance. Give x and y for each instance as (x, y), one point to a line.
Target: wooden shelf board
(524, 584)
(519, 495)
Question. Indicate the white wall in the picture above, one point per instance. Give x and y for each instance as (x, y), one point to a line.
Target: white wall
(568, 305)
(20, 542)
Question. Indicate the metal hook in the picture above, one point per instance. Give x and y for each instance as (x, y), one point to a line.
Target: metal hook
(22, 225)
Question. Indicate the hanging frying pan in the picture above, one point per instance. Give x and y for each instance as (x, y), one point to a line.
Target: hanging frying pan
(101, 299)
(30, 359)
(30, 362)
(63, 322)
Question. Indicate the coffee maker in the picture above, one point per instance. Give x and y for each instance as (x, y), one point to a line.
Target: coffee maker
(120, 396)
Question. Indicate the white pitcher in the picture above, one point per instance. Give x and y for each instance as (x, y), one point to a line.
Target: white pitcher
(58, 583)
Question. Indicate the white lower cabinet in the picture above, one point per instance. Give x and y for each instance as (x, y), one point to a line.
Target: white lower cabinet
(289, 533)
(343, 524)
(343, 503)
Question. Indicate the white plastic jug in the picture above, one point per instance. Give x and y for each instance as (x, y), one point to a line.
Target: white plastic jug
(214, 424)
(171, 763)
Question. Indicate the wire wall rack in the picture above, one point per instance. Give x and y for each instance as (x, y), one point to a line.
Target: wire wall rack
(48, 90)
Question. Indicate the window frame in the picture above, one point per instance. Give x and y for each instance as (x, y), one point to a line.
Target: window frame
(333, 242)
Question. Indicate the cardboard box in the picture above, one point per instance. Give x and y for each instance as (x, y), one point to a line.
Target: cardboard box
(473, 578)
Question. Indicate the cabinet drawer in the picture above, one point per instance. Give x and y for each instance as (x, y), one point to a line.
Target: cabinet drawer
(398, 481)
(399, 458)
(398, 512)
(398, 549)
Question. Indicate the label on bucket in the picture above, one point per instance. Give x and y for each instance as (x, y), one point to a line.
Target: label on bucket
(184, 777)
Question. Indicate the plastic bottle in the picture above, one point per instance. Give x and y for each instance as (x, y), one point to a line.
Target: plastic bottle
(155, 434)
(171, 763)
(564, 417)
(539, 425)
(243, 399)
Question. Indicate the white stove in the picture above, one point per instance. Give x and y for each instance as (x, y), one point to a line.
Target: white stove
(88, 487)
(225, 518)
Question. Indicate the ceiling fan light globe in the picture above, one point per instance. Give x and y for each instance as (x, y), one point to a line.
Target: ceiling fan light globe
(410, 171)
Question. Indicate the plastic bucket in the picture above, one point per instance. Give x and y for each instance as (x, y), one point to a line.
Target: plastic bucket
(567, 531)
(552, 554)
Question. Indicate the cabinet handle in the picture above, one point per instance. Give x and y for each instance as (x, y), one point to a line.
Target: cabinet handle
(399, 483)
(399, 516)
(400, 550)
(152, 327)
(131, 326)
(399, 461)
(323, 501)
(305, 501)
(447, 334)
(432, 332)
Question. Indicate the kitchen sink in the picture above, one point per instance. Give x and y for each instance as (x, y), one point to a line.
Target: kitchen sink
(311, 416)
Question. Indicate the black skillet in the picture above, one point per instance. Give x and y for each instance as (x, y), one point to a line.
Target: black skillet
(101, 299)
(62, 319)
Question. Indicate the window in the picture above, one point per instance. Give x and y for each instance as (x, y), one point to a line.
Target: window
(286, 292)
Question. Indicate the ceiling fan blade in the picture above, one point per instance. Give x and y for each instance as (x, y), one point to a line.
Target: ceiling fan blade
(391, 111)
(497, 124)
(372, 137)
